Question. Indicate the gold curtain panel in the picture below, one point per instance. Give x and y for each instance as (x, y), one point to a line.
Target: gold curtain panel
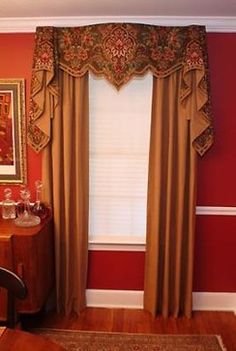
(118, 52)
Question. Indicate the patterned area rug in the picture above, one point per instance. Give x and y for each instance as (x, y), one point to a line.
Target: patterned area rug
(73, 340)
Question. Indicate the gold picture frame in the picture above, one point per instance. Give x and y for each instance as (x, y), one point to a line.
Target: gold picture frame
(12, 131)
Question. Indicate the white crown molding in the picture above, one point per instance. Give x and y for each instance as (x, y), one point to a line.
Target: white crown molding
(202, 301)
(29, 24)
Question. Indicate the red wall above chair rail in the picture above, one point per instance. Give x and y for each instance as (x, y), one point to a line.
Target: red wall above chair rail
(215, 236)
(16, 62)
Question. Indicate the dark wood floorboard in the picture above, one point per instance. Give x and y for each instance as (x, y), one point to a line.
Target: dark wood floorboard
(140, 321)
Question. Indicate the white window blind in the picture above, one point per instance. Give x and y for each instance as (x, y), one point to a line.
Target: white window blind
(119, 152)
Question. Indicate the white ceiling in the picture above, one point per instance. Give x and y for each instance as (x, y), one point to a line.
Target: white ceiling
(65, 8)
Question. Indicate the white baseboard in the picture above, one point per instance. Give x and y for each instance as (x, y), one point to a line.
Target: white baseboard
(114, 298)
(217, 301)
(202, 301)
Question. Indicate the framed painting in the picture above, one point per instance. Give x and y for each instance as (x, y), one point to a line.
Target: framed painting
(12, 131)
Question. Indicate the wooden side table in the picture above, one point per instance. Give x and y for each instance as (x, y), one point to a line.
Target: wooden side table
(29, 252)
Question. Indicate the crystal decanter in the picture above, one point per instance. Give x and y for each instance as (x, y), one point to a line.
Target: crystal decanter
(26, 218)
(39, 208)
(8, 205)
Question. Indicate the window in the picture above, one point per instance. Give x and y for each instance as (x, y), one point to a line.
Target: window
(119, 152)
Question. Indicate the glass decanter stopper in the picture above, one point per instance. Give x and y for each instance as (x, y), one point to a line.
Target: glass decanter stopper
(8, 205)
(39, 208)
(26, 219)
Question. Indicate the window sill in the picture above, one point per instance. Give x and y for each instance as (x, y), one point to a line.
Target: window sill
(103, 246)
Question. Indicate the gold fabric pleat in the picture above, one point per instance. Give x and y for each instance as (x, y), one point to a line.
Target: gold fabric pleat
(171, 200)
(65, 175)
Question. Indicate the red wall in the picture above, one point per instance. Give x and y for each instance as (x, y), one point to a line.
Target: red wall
(16, 62)
(215, 259)
(215, 263)
(217, 169)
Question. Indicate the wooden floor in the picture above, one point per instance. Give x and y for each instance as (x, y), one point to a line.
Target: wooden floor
(139, 321)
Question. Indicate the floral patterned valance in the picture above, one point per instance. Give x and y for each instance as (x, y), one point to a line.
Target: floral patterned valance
(117, 51)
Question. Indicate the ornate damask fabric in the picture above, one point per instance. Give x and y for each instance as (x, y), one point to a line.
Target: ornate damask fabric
(118, 52)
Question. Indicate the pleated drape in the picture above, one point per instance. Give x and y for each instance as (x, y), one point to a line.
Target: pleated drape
(65, 176)
(171, 201)
(181, 127)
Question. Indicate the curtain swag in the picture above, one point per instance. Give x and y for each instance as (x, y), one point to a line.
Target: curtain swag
(118, 52)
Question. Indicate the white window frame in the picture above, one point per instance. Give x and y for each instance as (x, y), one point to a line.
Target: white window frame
(123, 243)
